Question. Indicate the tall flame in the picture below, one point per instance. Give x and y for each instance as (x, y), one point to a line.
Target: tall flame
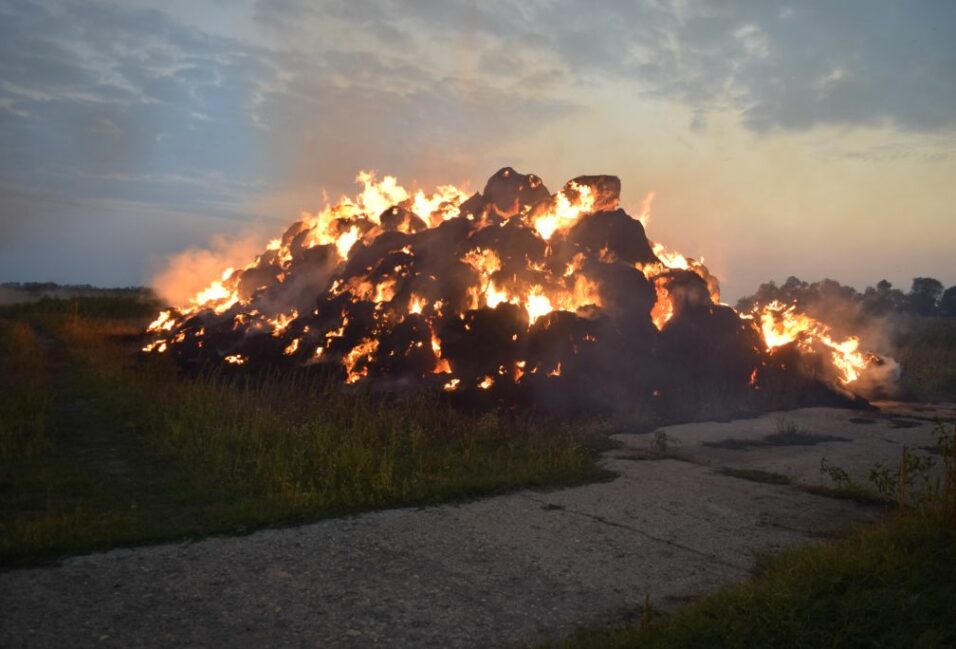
(781, 325)
(538, 285)
(564, 211)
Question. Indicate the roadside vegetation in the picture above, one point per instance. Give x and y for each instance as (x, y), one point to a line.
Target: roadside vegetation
(788, 434)
(926, 349)
(890, 585)
(101, 447)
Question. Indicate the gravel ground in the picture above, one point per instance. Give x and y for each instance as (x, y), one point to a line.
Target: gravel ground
(506, 571)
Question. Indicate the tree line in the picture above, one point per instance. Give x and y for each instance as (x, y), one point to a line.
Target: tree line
(926, 297)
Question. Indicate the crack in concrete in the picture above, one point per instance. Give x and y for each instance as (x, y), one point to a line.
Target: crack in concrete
(647, 535)
(482, 573)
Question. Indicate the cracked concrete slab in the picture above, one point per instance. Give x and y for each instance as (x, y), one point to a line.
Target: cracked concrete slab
(853, 440)
(505, 571)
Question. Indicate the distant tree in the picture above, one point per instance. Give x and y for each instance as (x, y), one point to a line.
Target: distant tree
(767, 292)
(947, 303)
(883, 298)
(830, 299)
(924, 295)
(793, 289)
(830, 289)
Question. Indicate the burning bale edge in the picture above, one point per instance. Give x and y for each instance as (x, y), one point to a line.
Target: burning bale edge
(510, 297)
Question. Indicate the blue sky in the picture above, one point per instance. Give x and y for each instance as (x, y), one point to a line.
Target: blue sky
(810, 138)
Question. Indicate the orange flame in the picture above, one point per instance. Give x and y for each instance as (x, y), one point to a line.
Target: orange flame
(539, 287)
(364, 350)
(564, 212)
(781, 325)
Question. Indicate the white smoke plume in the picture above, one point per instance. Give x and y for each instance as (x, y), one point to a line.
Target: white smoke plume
(184, 274)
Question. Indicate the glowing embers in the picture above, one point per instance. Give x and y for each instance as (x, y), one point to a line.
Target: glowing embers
(781, 325)
(538, 301)
(164, 322)
(567, 208)
(663, 309)
(442, 366)
(345, 241)
(356, 361)
(416, 303)
(515, 288)
(569, 291)
(537, 304)
(281, 322)
(156, 346)
(378, 198)
(669, 260)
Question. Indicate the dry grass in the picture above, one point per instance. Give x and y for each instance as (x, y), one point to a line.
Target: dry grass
(138, 453)
(24, 393)
(926, 351)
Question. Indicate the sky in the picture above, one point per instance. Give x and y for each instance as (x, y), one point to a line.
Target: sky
(814, 138)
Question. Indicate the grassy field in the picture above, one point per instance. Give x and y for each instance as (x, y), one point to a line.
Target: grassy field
(926, 351)
(100, 447)
(888, 586)
(892, 585)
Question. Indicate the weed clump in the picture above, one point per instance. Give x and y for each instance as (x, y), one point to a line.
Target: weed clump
(888, 585)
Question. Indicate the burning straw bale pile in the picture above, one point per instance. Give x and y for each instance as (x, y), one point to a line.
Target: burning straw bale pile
(511, 296)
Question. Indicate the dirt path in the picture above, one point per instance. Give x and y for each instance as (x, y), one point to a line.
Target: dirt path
(503, 571)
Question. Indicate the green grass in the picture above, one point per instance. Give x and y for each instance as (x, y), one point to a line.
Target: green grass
(889, 585)
(893, 585)
(114, 449)
(787, 438)
(25, 401)
(788, 434)
(123, 306)
(926, 351)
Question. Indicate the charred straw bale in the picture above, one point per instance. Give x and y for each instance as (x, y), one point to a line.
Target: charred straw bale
(511, 296)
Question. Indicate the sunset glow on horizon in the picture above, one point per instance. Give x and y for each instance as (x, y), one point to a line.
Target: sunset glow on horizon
(775, 144)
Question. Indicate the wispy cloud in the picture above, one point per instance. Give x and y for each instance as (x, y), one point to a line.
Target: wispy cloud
(164, 104)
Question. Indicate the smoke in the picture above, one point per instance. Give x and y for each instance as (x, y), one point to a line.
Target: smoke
(186, 273)
(847, 313)
(11, 296)
(512, 296)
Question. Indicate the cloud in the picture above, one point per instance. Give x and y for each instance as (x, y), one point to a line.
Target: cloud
(110, 103)
(113, 89)
(171, 105)
(89, 92)
(850, 63)
(781, 65)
